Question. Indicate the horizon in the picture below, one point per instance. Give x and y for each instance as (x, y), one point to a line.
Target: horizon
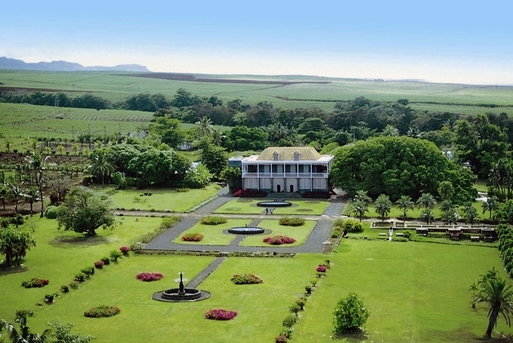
(432, 42)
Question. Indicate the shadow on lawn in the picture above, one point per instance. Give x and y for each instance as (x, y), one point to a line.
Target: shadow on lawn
(4, 270)
(79, 240)
(355, 335)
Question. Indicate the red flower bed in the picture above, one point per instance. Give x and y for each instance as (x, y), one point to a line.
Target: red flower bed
(279, 240)
(246, 279)
(220, 314)
(147, 277)
(320, 269)
(35, 282)
(192, 237)
(249, 193)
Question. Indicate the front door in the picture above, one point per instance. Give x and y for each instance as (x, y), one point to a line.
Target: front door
(291, 188)
(278, 188)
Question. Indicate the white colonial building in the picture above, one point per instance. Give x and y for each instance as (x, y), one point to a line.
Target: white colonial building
(287, 169)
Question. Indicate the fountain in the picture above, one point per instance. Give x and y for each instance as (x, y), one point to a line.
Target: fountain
(181, 293)
(274, 203)
(247, 230)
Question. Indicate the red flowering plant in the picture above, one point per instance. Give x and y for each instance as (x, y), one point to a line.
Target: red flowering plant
(192, 237)
(35, 282)
(99, 264)
(220, 314)
(124, 249)
(147, 277)
(279, 240)
(246, 279)
(321, 268)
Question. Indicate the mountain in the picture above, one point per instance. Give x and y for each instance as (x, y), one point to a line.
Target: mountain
(14, 64)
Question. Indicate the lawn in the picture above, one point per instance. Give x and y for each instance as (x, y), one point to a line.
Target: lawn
(161, 199)
(249, 206)
(212, 234)
(299, 233)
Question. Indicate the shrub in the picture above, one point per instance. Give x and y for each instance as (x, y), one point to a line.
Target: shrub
(213, 220)
(106, 260)
(301, 302)
(80, 277)
(51, 212)
(73, 284)
(289, 321)
(308, 289)
(292, 221)
(350, 314)
(49, 298)
(102, 311)
(99, 264)
(281, 339)
(35, 282)
(147, 277)
(287, 331)
(246, 279)
(220, 314)
(114, 255)
(88, 271)
(278, 240)
(295, 308)
(192, 237)
(124, 250)
(352, 225)
(64, 288)
(321, 268)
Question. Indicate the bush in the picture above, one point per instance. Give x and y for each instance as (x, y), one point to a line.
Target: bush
(220, 314)
(64, 288)
(350, 314)
(192, 237)
(35, 282)
(124, 250)
(106, 260)
(321, 268)
(352, 225)
(246, 279)
(51, 212)
(114, 255)
(88, 271)
(80, 277)
(301, 302)
(102, 311)
(289, 321)
(147, 277)
(278, 240)
(295, 308)
(73, 284)
(292, 221)
(49, 298)
(281, 339)
(213, 220)
(99, 264)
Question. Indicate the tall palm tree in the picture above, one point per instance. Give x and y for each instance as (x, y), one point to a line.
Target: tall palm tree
(100, 165)
(38, 165)
(490, 205)
(204, 127)
(16, 194)
(499, 298)
(426, 200)
(383, 206)
(405, 204)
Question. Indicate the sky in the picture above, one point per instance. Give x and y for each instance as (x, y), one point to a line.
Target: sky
(436, 41)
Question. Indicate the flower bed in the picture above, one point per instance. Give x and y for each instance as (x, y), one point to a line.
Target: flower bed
(292, 221)
(192, 237)
(246, 279)
(35, 282)
(279, 240)
(147, 277)
(249, 193)
(220, 314)
(102, 311)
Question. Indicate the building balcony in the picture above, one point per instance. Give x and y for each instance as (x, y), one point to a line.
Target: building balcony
(282, 175)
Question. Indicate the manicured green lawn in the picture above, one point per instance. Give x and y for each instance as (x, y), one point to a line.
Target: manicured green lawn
(299, 233)
(212, 234)
(416, 292)
(249, 206)
(162, 199)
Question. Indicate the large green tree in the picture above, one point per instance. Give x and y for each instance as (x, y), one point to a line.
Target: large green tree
(397, 166)
(100, 165)
(84, 211)
(350, 314)
(159, 167)
(404, 203)
(14, 245)
(383, 206)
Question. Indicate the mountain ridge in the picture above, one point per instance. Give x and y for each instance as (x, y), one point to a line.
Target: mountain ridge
(16, 64)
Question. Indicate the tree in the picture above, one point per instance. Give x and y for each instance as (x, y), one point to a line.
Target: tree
(213, 157)
(494, 291)
(405, 204)
(383, 206)
(233, 176)
(445, 190)
(169, 131)
(20, 333)
(159, 167)
(31, 196)
(100, 165)
(38, 165)
(4, 194)
(204, 127)
(361, 195)
(427, 215)
(14, 245)
(470, 213)
(16, 194)
(426, 200)
(62, 333)
(84, 211)
(350, 314)
(490, 205)
(359, 207)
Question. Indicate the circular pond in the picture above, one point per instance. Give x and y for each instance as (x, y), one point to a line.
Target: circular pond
(274, 204)
(247, 230)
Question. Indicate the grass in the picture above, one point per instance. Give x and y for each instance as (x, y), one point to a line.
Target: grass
(299, 233)
(161, 199)
(249, 206)
(212, 233)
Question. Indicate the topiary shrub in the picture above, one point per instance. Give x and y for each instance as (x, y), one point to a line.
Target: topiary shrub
(115, 255)
(213, 220)
(352, 225)
(51, 212)
(220, 314)
(106, 260)
(192, 237)
(102, 311)
(124, 250)
(292, 221)
(246, 279)
(278, 240)
(350, 314)
(99, 264)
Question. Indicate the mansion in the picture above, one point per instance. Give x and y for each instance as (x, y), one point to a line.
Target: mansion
(287, 169)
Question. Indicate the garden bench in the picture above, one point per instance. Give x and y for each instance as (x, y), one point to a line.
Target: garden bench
(399, 234)
(475, 238)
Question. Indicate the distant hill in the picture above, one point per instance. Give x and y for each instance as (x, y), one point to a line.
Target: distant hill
(14, 64)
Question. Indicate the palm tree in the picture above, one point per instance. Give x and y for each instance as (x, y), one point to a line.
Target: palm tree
(31, 196)
(383, 206)
(16, 194)
(204, 127)
(470, 213)
(490, 205)
(405, 204)
(4, 195)
(361, 195)
(359, 207)
(22, 333)
(100, 165)
(427, 215)
(38, 164)
(499, 297)
(426, 200)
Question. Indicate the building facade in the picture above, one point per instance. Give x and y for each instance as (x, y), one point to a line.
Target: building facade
(287, 169)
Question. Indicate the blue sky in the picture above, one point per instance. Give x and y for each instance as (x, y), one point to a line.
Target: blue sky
(437, 41)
